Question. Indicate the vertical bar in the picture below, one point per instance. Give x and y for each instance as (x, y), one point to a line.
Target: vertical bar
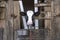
(24, 22)
(21, 6)
(1, 33)
(36, 24)
(35, 8)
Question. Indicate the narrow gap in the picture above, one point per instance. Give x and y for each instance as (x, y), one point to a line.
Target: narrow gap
(29, 5)
(42, 22)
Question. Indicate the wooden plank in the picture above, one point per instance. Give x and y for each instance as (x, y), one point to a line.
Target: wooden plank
(9, 21)
(42, 4)
(2, 4)
(3, 0)
(57, 19)
(2, 10)
(2, 20)
(48, 26)
(17, 14)
(2, 13)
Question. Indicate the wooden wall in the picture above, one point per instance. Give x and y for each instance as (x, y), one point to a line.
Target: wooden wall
(10, 21)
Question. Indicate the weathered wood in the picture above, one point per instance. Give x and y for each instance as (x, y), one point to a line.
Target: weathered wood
(1, 33)
(2, 14)
(42, 4)
(56, 25)
(2, 10)
(17, 13)
(3, 0)
(17, 19)
(2, 20)
(9, 21)
(2, 4)
(48, 22)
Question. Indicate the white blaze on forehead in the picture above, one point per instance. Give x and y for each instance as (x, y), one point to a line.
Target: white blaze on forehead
(29, 14)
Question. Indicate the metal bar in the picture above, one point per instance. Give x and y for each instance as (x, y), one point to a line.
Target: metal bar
(21, 6)
(36, 24)
(24, 22)
(35, 8)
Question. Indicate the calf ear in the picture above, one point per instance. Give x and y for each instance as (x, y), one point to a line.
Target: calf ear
(22, 13)
(36, 13)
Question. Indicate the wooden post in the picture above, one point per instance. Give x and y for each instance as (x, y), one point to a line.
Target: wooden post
(2, 19)
(17, 14)
(16, 18)
(9, 21)
(57, 19)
